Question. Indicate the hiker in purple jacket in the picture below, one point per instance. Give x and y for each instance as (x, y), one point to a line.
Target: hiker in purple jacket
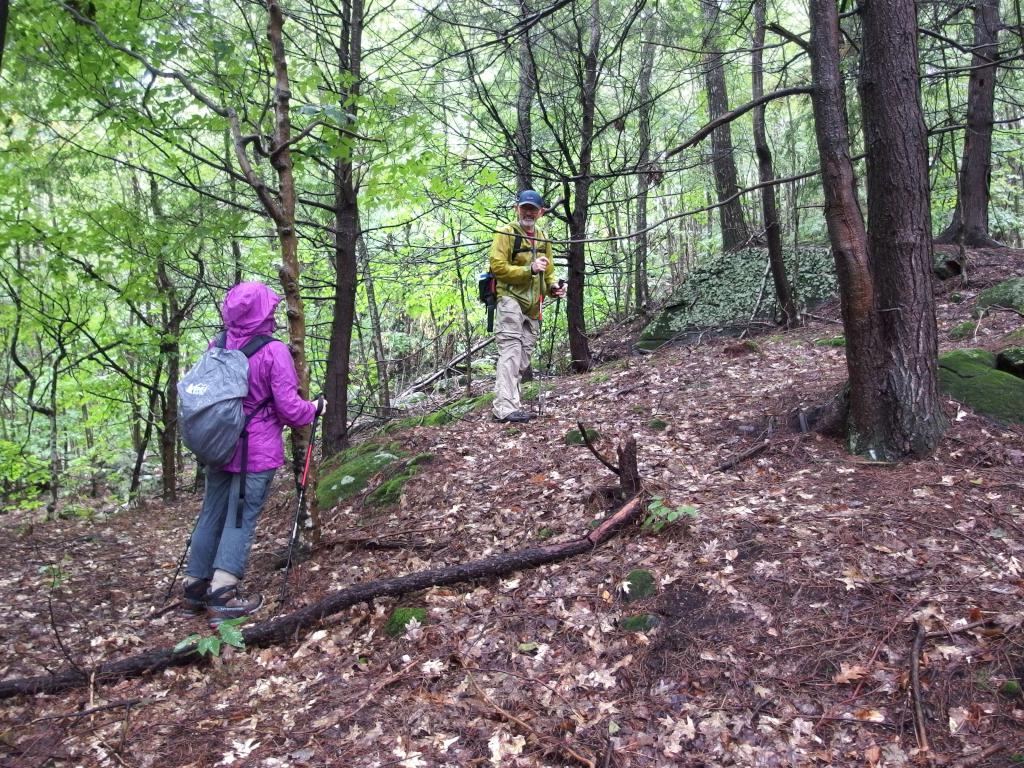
(220, 548)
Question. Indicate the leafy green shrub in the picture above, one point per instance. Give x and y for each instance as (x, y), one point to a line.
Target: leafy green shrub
(400, 617)
(661, 515)
(228, 633)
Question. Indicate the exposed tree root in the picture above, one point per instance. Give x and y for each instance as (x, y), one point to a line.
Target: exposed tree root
(285, 628)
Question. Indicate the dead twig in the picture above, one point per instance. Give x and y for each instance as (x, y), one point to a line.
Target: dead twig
(741, 457)
(972, 760)
(593, 450)
(128, 703)
(915, 684)
(530, 731)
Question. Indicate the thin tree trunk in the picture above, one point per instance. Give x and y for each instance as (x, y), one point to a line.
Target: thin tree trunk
(642, 289)
(734, 228)
(523, 149)
(579, 344)
(766, 174)
(376, 332)
(970, 217)
(347, 235)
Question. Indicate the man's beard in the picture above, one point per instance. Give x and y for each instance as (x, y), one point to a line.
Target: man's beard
(527, 224)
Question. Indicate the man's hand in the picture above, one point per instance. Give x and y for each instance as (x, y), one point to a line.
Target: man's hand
(558, 290)
(321, 405)
(539, 265)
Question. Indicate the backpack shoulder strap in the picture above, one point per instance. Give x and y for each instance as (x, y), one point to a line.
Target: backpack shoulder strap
(221, 340)
(255, 344)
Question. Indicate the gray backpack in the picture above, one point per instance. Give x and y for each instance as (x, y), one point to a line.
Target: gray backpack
(210, 396)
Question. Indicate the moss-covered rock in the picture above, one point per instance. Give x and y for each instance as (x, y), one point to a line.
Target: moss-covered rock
(345, 474)
(1011, 361)
(638, 585)
(442, 416)
(401, 616)
(657, 424)
(390, 491)
(575, 437)
(970, 376)
(639, 623)
(725, 288)
(1009, 293)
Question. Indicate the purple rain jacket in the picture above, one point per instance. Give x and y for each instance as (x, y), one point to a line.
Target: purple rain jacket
(248, 311)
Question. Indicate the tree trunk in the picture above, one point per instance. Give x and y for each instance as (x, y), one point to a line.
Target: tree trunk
(376, 332)
(346, 237)
(579, 344)
(523, 149)
(644, 179)
(766, 174)
(730, 210)
(970, 217)
(885, 279)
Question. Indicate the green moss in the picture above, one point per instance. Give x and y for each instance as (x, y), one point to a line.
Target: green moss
(1011, 360)
(346, 474)
(639, 584)
(1009, 293)
(600, 378)
(1010, 688)
(657, 424)
(970, 376)
(401, 616)
(834, 341)
(442, 416)
(963, 330)
(639, 623)
(956, 298)
(390, 491)
(545, 533)
(575, 437)
(530, 391)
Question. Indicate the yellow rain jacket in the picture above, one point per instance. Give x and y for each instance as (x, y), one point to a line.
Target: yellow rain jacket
(512, 271)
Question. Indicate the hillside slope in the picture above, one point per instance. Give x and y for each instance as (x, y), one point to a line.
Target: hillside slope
(783, 622)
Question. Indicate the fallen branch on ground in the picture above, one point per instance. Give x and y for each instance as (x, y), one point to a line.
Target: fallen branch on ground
(285, 628)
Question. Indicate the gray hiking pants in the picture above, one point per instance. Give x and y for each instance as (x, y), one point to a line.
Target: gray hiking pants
(516, 336)
(217, 542)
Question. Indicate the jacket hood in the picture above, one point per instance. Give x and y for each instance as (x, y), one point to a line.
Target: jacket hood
(248, 310)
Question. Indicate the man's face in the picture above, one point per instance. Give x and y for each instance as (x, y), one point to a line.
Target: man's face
(528, 215)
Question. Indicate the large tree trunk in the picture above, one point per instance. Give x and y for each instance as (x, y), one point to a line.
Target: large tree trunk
(579, 344)
(766, 173)
(730, 210)
(885, 278)
(970, 218)
(523, 149)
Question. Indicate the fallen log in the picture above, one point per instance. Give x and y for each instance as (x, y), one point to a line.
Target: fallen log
(288, 627)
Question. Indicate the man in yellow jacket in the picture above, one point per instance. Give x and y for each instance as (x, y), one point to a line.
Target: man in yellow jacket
(524, 272)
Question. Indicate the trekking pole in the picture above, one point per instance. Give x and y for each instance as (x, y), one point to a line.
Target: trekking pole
(181, 561)
(298, 507)
(551, 346)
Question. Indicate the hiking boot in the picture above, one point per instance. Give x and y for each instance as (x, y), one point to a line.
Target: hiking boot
(227, 603)
(193, 596)
(516, 417)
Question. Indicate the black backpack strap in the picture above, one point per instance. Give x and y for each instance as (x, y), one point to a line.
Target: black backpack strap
(245, 458)
(255, 344)
(221, 339)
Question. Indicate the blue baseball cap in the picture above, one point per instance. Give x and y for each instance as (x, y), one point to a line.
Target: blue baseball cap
(529, 197)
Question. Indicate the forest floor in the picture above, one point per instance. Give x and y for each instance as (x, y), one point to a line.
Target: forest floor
(787, 608)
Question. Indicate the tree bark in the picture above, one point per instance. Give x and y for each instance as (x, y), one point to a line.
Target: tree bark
(766, 173)
(646, 175)
(885, 278)
(730, 212)
(579, 344)
(286, 628)
(523, 138)
(970, 217)
(346, 237)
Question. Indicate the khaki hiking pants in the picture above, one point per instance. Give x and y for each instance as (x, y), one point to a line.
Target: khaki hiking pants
(516, 336)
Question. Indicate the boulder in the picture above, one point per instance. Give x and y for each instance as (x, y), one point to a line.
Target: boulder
(971, 376)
